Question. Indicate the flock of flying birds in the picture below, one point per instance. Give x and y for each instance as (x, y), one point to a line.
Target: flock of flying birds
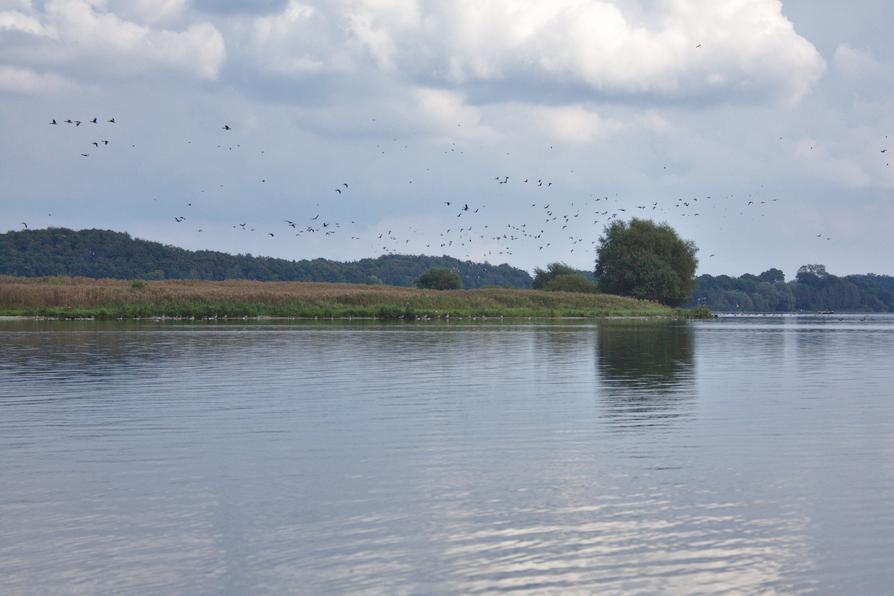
(546, 221)
(77, 123)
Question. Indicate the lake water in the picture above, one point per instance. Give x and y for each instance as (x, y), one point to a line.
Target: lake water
(742, 454)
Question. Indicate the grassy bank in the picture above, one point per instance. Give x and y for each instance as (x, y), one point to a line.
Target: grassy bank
(65, 297)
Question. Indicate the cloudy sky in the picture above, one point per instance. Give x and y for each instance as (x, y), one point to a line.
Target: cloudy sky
(700, 106)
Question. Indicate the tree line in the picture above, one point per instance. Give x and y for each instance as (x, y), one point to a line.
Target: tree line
(639, 259)
(116, 255)
(813, 289)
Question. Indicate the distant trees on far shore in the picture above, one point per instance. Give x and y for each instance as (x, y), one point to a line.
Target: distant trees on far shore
(116, 255)
(813, 289)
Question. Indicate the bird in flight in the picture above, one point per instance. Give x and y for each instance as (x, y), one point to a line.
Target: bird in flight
(338, 190)
(227, 127)
(54, 123)
(179, 219)
(25, 224)
(85, 155)
(111, 121)
(93, 121)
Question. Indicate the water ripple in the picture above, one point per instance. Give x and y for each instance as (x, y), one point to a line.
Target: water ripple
(741, 455)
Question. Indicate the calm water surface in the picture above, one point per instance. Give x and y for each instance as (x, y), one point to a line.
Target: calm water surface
(745, 454)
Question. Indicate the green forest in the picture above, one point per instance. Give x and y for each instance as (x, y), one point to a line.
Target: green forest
(813, 289)
(115, 255)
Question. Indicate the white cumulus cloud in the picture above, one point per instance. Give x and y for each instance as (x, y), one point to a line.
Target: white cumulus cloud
(25, 80)
(672, 49)
(87, 38)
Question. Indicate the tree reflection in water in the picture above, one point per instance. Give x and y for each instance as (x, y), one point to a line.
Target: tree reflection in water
(646, 369)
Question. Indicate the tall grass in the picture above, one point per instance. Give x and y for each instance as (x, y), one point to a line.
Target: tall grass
(81, 297)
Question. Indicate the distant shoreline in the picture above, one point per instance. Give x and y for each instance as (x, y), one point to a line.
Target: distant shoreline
(83, 298)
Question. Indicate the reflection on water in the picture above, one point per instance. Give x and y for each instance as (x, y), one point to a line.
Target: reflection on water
(656, 356)
(647, 370)
(446, 458)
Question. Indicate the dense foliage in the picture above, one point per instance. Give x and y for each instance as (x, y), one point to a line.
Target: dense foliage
(115, 255)
(646, 260)
(439, 278)
(561, 277)
(814, 289)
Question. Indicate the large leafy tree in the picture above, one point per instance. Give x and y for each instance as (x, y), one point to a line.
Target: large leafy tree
(646, 260)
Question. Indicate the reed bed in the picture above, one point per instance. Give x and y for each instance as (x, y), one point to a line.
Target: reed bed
(73, 297)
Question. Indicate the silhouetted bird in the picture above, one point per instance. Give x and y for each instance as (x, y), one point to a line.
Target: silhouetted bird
(54, 123)
(112, 121)
(26, 225)
(93, 121)
(227, 127)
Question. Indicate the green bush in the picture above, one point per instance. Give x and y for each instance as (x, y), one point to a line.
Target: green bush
(571, 282)
(439, 278)
(542, 278)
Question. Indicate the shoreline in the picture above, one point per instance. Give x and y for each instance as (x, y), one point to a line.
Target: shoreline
(60, 298)
(492, 319)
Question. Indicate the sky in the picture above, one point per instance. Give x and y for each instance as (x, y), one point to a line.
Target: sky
(756, 128)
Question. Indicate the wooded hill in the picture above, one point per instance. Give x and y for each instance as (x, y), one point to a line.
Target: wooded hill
(116, 255)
